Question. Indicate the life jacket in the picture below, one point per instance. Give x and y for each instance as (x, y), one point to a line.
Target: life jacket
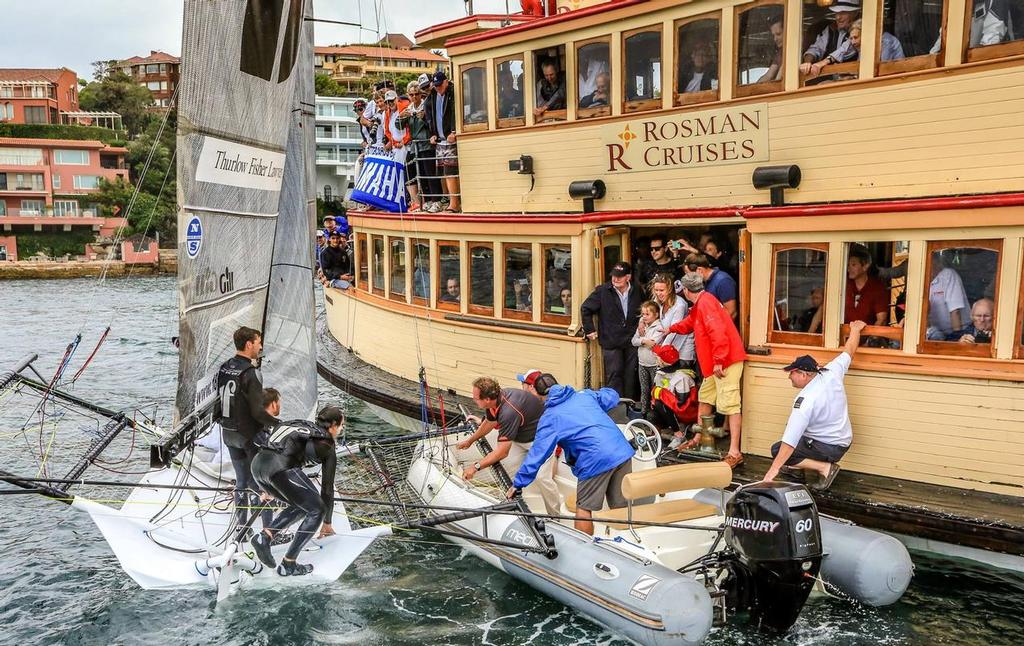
(296, 440)
(230, 414)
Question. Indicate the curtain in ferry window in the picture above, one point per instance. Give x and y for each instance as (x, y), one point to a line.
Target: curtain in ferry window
(510, 92)
(549, 93)
(911, 35)
(760, 47)
(642, 68)
(398, 268)
(421, 270)
(830, 41)
(959, 303)
(449, 288)
(378, 264)
(593, 79)
(798, 293)
(364, 272)
(481, 278)
(875, 291)
(995, 28)
(518, 282)
(697, 60)
(474, 96)
(557, 283)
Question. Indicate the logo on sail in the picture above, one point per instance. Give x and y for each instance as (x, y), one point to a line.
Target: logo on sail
(193, 236)
(261, 33)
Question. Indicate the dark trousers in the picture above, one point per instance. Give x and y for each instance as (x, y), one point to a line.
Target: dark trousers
(811, 449)
(295, 488)
(247, 490)
(663, 417)
(621, 371)
(429, 185)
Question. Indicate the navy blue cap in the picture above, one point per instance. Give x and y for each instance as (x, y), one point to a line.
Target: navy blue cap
(805, 363)
(439, 77)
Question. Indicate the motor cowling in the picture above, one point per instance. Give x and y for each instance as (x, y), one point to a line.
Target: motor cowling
(773, 531)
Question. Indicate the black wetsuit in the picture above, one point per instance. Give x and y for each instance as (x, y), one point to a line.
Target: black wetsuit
(278, 469)
(241, 417)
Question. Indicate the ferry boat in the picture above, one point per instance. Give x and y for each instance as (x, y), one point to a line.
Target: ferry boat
(912, 157)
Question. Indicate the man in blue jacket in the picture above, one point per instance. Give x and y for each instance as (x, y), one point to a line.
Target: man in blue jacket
(594, 447)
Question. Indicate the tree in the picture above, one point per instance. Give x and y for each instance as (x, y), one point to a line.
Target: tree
(117, 92)
(326, 86)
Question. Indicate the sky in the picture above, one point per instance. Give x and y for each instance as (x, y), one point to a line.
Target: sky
(74, 33)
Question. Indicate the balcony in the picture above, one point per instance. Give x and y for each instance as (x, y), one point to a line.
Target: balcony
(21, 160)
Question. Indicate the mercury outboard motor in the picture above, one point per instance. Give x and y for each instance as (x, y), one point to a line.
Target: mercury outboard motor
(773, 531)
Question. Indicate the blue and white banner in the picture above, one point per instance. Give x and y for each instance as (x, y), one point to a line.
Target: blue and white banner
(381, 183)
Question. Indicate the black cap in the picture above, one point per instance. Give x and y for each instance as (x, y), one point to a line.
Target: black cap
(439, 77)
(621, 269)
(544, 383)
(805, 363)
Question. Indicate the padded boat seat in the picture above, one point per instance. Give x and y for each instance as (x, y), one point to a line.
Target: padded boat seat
(669, 511)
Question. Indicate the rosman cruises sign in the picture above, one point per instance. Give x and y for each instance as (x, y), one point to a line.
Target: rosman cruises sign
(688, 140)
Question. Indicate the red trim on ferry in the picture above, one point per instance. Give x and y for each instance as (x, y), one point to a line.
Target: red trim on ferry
(889, 206)
(553, 218)
(515, 17)
(543, 22)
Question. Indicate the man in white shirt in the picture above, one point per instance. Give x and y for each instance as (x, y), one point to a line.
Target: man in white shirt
(818, 433)
(947, 301)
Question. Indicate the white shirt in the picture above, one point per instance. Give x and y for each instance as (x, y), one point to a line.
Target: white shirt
(369, 113)
(694, 83)
(820, 411)
(624, 300)
(588, 82)
(683, 343)
(946, 295)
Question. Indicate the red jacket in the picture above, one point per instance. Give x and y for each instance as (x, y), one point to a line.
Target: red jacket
(714, 334)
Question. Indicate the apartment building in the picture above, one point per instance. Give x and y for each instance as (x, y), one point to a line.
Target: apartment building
(395, 54)
(37, 95)
(158, 72)
(338, 145)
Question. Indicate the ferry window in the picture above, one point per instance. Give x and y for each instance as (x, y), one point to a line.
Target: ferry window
(378, 265)
(798, 293)
(364, 272)
(557, 284)
(420, 271)
(510, 92)
(549, 90)
(397, 288)
(642, 56)
(959, 302)
(518, 282)
(594, 80)
(829, 52)
(697, 57)
(474, 97)
(481, 278)
(1018, 352)
(760, 48)
(449, 288)
(875, 291)
(911, 35)
(995, 28)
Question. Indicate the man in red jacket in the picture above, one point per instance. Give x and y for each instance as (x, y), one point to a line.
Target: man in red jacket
(720, 355)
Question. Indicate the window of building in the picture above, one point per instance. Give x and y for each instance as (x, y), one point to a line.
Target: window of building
(35, 114)
(6, 92)
(474, 97)
(875, 291)
(510, 91)
(760, 47)
(481, 278)
(163, 86)
(65, 207)
(153, 86)
(518, 282)
(21, 156)
(29, 182)
(377, 260)
(362, 280)
(911, 35)
(549, 94)
(420, 271)
(32, 207)
(3, 207)
(593, 78)
(557, 283)
(449, 282)
(642, 62)
(56, 180)
(1018, 351)
(959, 301)
(38, 92)
(3, 183)
(798, 293)
(86, 181)
(71, 157)
(398, 260)
(697, 55)
(6, 112)
(995, 28)
(152, 68)
(828, 52)
(163, 68)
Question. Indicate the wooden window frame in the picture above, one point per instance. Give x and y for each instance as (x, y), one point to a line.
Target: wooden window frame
(471, 127)
(891, 332)
(442, 288)
(913, 63)
(546, 316)
(1018, 331)
(849, 67)
(755, 89)
(796, 338)
(551, 116)
(954, 348)
(392, 294)
(362, 256)
(642, 105)
(987, 52)
(417, 300)
(703, 96)
(379, 291)
(510, 122)
(604, 110)
(470, 307)
(512, 313)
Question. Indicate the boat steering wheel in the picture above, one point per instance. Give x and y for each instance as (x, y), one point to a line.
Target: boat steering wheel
(646, 438)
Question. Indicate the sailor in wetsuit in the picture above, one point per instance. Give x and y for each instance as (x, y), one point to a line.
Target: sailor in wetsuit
(278, 469)
(242, 416)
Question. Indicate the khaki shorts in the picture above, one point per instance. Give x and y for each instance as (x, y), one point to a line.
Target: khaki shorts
(723, 392)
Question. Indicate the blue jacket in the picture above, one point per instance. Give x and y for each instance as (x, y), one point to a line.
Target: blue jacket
(579, 423)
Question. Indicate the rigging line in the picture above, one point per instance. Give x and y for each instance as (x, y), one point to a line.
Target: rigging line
(103, 337)
(334, 22)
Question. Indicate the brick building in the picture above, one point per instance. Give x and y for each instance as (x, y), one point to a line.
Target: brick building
(37, 95)
(157, 72)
